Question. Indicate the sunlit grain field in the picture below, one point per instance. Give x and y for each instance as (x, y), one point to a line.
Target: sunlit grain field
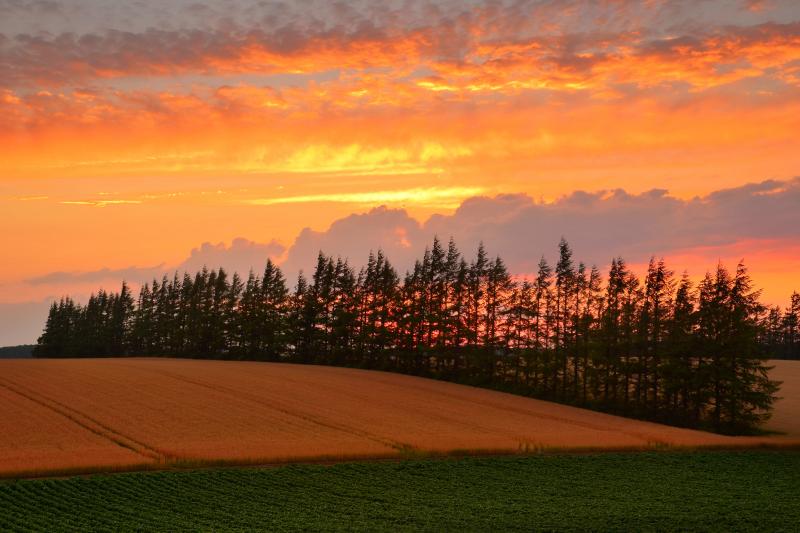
(103, 414)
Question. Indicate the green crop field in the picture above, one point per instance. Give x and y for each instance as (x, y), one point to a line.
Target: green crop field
(713, 491)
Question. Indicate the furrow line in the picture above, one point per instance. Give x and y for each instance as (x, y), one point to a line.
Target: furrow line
(385, 441)
(88, 423)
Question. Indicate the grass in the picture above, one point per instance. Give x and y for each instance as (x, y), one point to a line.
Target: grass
(700, 491)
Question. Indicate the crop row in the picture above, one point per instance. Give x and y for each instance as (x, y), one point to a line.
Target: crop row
(668, 491)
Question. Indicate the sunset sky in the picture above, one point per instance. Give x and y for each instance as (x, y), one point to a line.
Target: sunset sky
(141, 137)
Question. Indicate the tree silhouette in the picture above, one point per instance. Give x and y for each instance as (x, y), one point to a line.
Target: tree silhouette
(654, 348)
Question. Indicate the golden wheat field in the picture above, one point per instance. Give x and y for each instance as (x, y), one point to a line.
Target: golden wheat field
(786, 418)
(101, 414)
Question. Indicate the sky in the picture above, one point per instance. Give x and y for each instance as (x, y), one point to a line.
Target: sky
(141, 137)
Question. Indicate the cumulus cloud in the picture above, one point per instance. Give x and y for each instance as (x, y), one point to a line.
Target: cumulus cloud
(241, 256)
(599, 225)
(754, 220)
(352, 237)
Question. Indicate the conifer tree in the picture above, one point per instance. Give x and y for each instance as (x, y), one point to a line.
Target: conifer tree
(580, 287)
(437, 296)
(654, 317)
(459, 313)
(54, 338)
(344, 314)
(611, 331)
(564, 289)
(248, 337)
(679, 369)
(748, 392)
(300, 323)
(120, 321)
(593, 311)
(273, 315)
(499, 287)
(541, 322)
(791, 329)
(477, 284)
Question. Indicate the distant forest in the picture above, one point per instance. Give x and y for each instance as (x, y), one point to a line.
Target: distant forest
(16, 352)
(658, 348)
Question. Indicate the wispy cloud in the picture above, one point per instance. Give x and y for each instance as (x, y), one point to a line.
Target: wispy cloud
(446, 197)
(104, 274)
(100, 203)
(356, 159)
(32, 198)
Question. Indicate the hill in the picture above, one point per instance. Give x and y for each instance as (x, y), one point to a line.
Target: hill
(16, 352)
(81, 415)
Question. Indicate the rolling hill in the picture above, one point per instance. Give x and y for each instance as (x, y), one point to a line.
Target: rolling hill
(84, 415)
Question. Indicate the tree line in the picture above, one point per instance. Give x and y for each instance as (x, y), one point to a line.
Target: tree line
(659, 347)
(16, 352)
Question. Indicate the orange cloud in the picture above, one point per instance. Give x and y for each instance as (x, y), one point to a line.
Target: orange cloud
(480, 51)
(567, 140)
(183, 130)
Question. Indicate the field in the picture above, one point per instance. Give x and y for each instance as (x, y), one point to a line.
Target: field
(786, 418)
(85, 415)
(712, 491)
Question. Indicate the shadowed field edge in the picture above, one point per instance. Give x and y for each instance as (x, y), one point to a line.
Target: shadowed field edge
(189, 464)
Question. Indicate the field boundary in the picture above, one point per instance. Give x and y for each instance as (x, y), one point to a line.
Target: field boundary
(143, 416)
(188, 465)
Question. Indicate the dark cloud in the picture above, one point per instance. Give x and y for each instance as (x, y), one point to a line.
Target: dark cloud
(35, 58)
(443, 31)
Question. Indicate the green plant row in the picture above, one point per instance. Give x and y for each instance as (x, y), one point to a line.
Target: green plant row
(713, 491)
